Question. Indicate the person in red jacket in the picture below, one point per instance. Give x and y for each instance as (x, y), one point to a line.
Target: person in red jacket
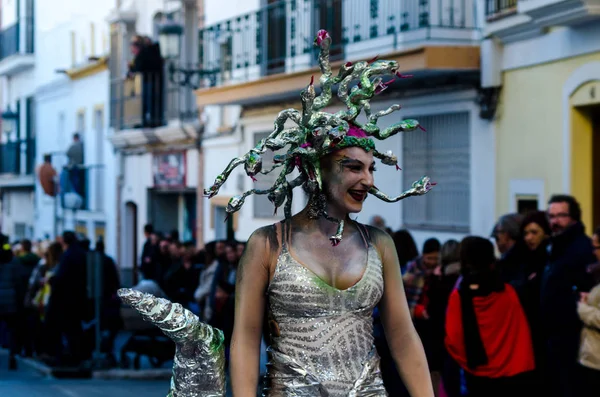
(487, 332)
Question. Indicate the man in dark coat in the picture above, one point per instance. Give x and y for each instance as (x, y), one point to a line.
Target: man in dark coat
(68, 306)
(9, 293)
(570, 252)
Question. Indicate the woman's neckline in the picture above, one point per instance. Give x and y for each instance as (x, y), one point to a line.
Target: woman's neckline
(286, 248)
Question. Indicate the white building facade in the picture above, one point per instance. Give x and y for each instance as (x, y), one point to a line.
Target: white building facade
(72, 82)
(18, 140)
(256, 57)
(264, 58)
(155, 139)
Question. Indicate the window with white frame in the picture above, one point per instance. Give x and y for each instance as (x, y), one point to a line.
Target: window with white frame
(263, 208)
(80, 127)
(98, 172)
(443, 154)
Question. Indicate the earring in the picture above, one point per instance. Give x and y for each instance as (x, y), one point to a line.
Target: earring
(316, 205)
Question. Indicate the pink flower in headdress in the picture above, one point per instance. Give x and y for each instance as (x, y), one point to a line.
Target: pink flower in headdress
(322, 35)
(356, 132)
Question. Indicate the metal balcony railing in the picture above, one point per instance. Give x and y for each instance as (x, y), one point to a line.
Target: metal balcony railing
(498, 8)
(279, 37)
(149, 100)
(13, 152)
(12, 42)
(82, 187)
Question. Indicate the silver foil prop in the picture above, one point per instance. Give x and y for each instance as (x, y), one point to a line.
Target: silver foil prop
(199, 363)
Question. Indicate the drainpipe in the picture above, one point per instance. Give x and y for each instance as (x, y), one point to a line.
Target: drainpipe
(199, 17)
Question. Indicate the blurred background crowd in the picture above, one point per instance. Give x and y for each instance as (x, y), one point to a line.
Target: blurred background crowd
(520, 316)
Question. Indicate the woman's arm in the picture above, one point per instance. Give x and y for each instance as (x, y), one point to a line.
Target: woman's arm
(405, 345)
(252, 282)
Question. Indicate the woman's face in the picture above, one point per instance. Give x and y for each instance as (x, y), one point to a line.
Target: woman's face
(533, 235)
(596, 242)
(347, 177)
(231, 255)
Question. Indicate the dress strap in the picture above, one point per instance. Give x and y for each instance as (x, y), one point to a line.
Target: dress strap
(283, 224)
(363, 233)
(286, 231)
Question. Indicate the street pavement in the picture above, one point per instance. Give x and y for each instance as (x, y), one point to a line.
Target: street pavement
(26, 382)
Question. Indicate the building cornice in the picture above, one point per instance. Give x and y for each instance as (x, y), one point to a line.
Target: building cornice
(89, 69)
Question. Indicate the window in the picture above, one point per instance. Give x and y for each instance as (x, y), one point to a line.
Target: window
(80, 127)
(20, 231)
(61, 128)
(98, 171)
(263, 208)
(443, 154)
(30, 120)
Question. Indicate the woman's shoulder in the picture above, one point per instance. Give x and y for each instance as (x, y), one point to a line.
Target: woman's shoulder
(268, 234)
(379, 238)
(266, 239)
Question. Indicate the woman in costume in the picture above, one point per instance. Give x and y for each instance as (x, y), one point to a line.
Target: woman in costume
(317, 275)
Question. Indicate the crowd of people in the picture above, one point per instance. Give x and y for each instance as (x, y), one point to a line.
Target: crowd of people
(46, 307)
(522, 317)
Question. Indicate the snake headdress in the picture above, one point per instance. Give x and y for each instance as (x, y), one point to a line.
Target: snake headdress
(317, 133)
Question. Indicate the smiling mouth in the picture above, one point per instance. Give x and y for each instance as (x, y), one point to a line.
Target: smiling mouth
(358, 195)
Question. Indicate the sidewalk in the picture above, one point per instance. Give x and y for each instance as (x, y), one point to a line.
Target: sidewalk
(146, 370)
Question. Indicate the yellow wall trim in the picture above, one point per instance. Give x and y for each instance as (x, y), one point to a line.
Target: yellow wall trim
(459, 58)
(89, 69)
(586, 95)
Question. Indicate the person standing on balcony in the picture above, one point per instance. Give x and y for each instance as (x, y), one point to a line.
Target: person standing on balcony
(75, 165)
(47, 176)
(148, 62)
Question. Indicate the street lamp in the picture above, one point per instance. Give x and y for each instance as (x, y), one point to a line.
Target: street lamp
(9, 121)
(169, 38)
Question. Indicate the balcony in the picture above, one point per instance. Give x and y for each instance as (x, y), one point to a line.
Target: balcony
(277, 40)
(16, 47)
(496, 9)
(523, 19)
(82, 188)
(17, 163)
(148, 108)
(560, 12)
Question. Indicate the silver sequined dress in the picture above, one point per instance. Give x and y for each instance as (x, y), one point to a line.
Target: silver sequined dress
(322, 337)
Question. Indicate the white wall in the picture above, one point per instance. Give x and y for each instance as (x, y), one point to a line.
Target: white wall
(137, 179)
(559, 43)
(9, 12)
(59, 99)
(56, 27)
(215, 12)
(17, 207)
(52, 102)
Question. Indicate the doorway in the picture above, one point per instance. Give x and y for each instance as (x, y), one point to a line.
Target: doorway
(595, 113)
(170, 210)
